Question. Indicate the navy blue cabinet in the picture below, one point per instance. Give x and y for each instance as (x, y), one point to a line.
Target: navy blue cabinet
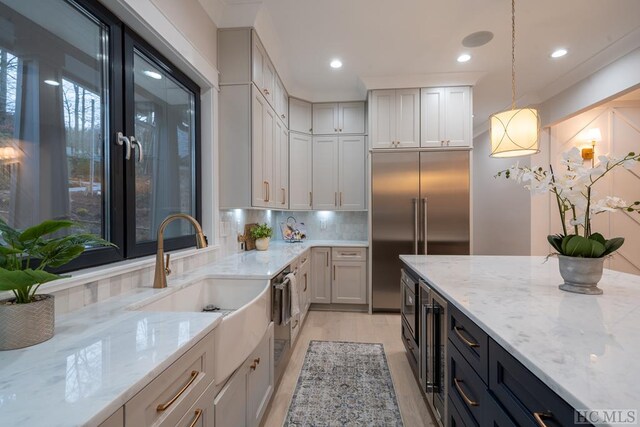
(470, 340)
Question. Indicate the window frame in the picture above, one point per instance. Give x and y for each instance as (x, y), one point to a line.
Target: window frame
(119, 214)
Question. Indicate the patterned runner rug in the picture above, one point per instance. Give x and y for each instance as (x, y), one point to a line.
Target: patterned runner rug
(344, 384)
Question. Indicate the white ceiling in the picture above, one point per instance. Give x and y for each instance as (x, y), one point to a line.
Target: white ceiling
(410, 43)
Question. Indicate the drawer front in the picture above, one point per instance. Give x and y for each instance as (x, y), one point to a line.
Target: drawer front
(410, 345)
(231, 402)
(260, 380)
(349, 254)
(523, 395)
(466, 388)
(304, 260)
(470, 340)
(457, 418)
(495, 416)
(201, 414)
(166, 399)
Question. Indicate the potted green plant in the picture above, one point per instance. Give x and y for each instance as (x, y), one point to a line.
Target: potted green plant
(28, 318)
(580, 250)
(262, 233)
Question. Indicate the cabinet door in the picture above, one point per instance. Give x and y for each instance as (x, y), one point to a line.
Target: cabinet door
(383, 118)
(300, 167)
(433, 117)
(351, 173)
(325, 119)
(282, 102)
(407, 118)
(351, 117)
(262, 149)
(325, 172)
(299, 116)
(260, 379)
(258, 58)
(269, 76)
(349, 284)
(231, 403)
(305, 283)
(281, 166)
(321, 275)
(457, 132)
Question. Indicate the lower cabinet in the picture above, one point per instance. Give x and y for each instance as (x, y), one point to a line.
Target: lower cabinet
(349, 285)
(202, 413)
(304, 284)
(321, 275)
(244, 398)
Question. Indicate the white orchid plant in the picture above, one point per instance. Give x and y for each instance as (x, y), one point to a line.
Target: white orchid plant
(575, 197)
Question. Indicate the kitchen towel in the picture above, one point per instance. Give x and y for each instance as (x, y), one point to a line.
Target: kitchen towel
(295, 302)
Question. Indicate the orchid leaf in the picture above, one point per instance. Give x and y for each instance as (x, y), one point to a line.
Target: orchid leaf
(598, 238)
(613, 245)
(555, 240)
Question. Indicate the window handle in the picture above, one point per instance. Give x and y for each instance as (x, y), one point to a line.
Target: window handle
(123, 140)
(134, 143)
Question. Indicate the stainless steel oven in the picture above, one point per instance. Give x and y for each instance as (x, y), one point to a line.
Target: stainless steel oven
(281, 317)
(433, 349)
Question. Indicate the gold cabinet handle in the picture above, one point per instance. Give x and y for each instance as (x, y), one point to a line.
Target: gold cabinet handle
(255, 364)
(198, 414)
(335, 129)
(458, 330)
(264, 191)
(327, 253)
(268, 192)
(538, 416)
(164, 406)
(335, 198)
(469, 402)
(341, 198)
(282, 115)
(349, 254)
(284, 196)
(334, 272)
(310, 199)
(306, 282)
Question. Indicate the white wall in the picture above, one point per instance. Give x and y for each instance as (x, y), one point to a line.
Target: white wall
(501, 208)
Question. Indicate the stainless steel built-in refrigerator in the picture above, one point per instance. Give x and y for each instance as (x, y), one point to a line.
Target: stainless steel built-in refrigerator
(419, 205)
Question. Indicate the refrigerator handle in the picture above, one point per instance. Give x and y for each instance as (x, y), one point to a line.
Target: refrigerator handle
(415, 226)
(424, 219)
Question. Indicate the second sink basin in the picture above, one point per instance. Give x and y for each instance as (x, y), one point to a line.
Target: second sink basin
(249, 304)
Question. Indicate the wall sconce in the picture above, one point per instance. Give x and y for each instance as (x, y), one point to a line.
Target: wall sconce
(594, 136)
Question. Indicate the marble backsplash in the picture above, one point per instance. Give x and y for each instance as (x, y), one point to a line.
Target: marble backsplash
(321, 225)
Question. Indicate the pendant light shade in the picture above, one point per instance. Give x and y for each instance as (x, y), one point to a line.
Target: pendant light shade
(515, 132)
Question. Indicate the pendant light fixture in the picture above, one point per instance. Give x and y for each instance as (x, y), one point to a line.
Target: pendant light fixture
(515, 132)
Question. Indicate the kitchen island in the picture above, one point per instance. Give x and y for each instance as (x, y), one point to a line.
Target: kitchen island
(584, 348)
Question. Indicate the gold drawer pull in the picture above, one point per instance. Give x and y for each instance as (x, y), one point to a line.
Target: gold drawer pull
(469, 402)
(349, 254)
(164, 406)
(538, 416)
(198, 414)
(465, 340)
(255, 364)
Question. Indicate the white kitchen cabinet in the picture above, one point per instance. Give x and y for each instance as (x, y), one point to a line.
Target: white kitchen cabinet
(262, 149)
(321, 275)
(282, 102)
(338, 118)
(349, 284)
(260, 379)
(395, 118)
(325, 119)
(201, 414)
(446, 117)
(263, 72)
(300, 168)
(351, 118)
(304, 282)
(339, 173)
(300, 116)
(325, 172)
(281, 166)
(351, 173)
(230, 405)
(115, 420)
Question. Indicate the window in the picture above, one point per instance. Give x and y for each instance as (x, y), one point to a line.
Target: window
(71, 78)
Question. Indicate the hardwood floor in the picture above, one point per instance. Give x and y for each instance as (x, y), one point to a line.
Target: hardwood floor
(355, 327)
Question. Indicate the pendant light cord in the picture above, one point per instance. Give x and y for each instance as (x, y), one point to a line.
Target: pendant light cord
(513, 54)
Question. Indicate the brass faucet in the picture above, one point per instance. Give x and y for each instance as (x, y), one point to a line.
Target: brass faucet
(160, 279)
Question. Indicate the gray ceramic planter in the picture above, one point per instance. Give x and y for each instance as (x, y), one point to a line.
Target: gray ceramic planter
(581, 275)
(24, 325)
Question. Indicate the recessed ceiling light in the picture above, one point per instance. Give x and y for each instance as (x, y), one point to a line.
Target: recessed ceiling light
(52, 83)
(153, 74)
(559, 53)
(464, 57)
(336, 63)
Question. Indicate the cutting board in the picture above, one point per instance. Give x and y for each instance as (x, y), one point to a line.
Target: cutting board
(249, 242)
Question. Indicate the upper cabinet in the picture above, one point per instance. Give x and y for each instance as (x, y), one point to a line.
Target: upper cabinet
(338, 118)
(263, 72)
(282, 102)
(446, 117)
(300, 167)
(395, 118)
(300, 116)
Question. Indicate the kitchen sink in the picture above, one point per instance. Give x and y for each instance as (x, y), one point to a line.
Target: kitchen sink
(246, 309)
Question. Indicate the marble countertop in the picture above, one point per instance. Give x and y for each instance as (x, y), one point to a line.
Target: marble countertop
(105, 353)
(266, 264)
(583, 347)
